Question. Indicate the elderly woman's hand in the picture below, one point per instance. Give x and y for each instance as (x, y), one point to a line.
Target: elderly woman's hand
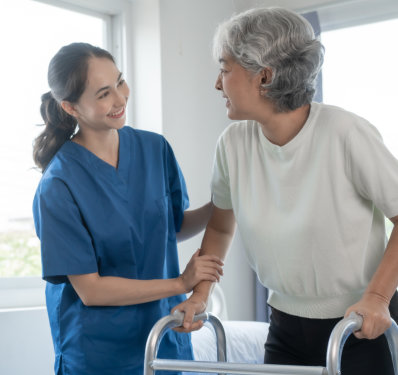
(376, 317)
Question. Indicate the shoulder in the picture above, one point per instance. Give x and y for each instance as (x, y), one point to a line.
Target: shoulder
(239, 132)
(67, 169)
(341, 121)
(143, 136)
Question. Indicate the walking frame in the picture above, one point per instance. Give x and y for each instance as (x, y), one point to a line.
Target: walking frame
(337, 340)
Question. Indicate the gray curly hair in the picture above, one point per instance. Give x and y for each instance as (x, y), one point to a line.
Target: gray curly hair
(278, 39)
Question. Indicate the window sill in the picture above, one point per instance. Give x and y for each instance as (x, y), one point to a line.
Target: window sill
(21, 292)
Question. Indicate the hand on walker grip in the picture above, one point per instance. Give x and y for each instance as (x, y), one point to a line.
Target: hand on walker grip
(192, 306)
(375, 315)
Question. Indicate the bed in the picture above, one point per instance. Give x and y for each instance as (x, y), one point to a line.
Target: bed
(245, 339)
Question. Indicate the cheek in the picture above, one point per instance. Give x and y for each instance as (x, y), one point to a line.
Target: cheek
(100, 108)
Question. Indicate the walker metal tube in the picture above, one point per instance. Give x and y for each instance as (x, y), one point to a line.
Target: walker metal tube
(335, 346)
(175, 320)
(152, 363)
(236, 368)
(340, 334)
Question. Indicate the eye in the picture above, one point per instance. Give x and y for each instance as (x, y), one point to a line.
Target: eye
(105, 94)
(121, 82)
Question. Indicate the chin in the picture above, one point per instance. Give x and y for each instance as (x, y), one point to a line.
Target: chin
(235, 116)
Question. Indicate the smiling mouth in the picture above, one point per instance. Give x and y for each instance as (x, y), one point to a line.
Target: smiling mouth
(117, 114)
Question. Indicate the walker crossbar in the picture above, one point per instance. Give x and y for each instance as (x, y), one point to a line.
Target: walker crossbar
(336, 342)
(235, 368)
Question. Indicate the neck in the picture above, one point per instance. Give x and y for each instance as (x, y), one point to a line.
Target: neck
(104, 144)
(281, 127)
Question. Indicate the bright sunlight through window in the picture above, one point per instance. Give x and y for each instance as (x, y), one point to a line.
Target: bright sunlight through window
(32, 32)
(360, 75)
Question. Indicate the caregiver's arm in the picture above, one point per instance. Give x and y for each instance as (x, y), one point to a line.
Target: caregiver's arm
(216, 241)
(96, 290)
(374, 303)
(194, 222)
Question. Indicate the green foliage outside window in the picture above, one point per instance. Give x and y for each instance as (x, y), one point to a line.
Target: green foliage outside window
(19, 254)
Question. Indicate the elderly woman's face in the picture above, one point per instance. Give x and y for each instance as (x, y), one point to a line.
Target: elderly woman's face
(240, 87)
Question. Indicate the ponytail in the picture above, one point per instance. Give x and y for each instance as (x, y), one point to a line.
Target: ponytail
(59, 128)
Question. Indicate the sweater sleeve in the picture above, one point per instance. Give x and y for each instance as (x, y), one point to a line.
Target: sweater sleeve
(220, 184)
(372, 168)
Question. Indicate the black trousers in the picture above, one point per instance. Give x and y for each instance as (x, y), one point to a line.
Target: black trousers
(301, 341)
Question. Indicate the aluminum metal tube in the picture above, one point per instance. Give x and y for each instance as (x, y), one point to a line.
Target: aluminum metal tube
(175, 320)
(340, 334)
(236, 368)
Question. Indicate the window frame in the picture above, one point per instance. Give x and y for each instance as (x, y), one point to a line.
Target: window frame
(343, 13)
(25, 292)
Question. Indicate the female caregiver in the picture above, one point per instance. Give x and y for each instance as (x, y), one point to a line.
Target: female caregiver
(309, 186)
(107, 210)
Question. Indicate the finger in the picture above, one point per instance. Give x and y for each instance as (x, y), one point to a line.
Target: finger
(210, 265)
(366, 331)
(212, 258)
(178, 307)
(209, 275)
(188, 318)
(194, 327)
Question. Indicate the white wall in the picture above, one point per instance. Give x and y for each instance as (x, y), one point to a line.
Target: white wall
(28, 349)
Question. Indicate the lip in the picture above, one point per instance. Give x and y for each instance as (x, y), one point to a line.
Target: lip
(117, 114)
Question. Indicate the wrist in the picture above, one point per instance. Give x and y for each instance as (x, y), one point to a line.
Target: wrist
(381, 297)
(200, 297)
(179, 285)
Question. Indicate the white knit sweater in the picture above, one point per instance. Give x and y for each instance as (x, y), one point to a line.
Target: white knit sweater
(310, 213)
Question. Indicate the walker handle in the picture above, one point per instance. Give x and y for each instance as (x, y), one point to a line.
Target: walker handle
(340, 334)
(175, 320)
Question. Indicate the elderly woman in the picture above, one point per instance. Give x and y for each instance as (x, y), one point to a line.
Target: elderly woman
(309, 186)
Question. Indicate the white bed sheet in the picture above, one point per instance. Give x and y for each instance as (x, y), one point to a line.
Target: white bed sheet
(245, 342)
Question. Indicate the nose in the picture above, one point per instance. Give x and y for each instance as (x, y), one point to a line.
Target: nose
(121, 96)
(218, 85)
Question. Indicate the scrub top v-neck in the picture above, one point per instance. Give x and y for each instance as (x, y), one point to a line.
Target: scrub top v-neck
(93, 217)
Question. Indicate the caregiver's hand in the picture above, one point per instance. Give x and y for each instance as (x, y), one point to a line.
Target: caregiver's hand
(376, 316)
(194, 305)
(201, 268)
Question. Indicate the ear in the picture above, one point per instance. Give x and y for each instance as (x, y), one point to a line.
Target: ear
(69, 108)
(266, 76)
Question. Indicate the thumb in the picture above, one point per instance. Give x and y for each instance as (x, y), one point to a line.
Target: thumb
(196, 253)
(188, 318)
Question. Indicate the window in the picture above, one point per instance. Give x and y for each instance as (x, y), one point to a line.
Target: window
(360, 75)
(35, 33)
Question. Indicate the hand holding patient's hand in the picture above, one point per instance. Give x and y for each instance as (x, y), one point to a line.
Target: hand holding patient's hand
(201, 268)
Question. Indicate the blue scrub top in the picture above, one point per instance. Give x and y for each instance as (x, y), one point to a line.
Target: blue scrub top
(92, 217)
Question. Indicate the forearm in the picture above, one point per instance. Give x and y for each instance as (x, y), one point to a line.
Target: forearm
(216, 241)
(194, 222)
(95, 290)
(385, 280)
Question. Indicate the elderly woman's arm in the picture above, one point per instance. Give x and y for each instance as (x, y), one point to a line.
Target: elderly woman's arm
(374, 303)
(216, 241)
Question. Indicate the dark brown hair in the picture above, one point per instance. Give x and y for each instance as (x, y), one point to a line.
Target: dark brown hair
(67, 75)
